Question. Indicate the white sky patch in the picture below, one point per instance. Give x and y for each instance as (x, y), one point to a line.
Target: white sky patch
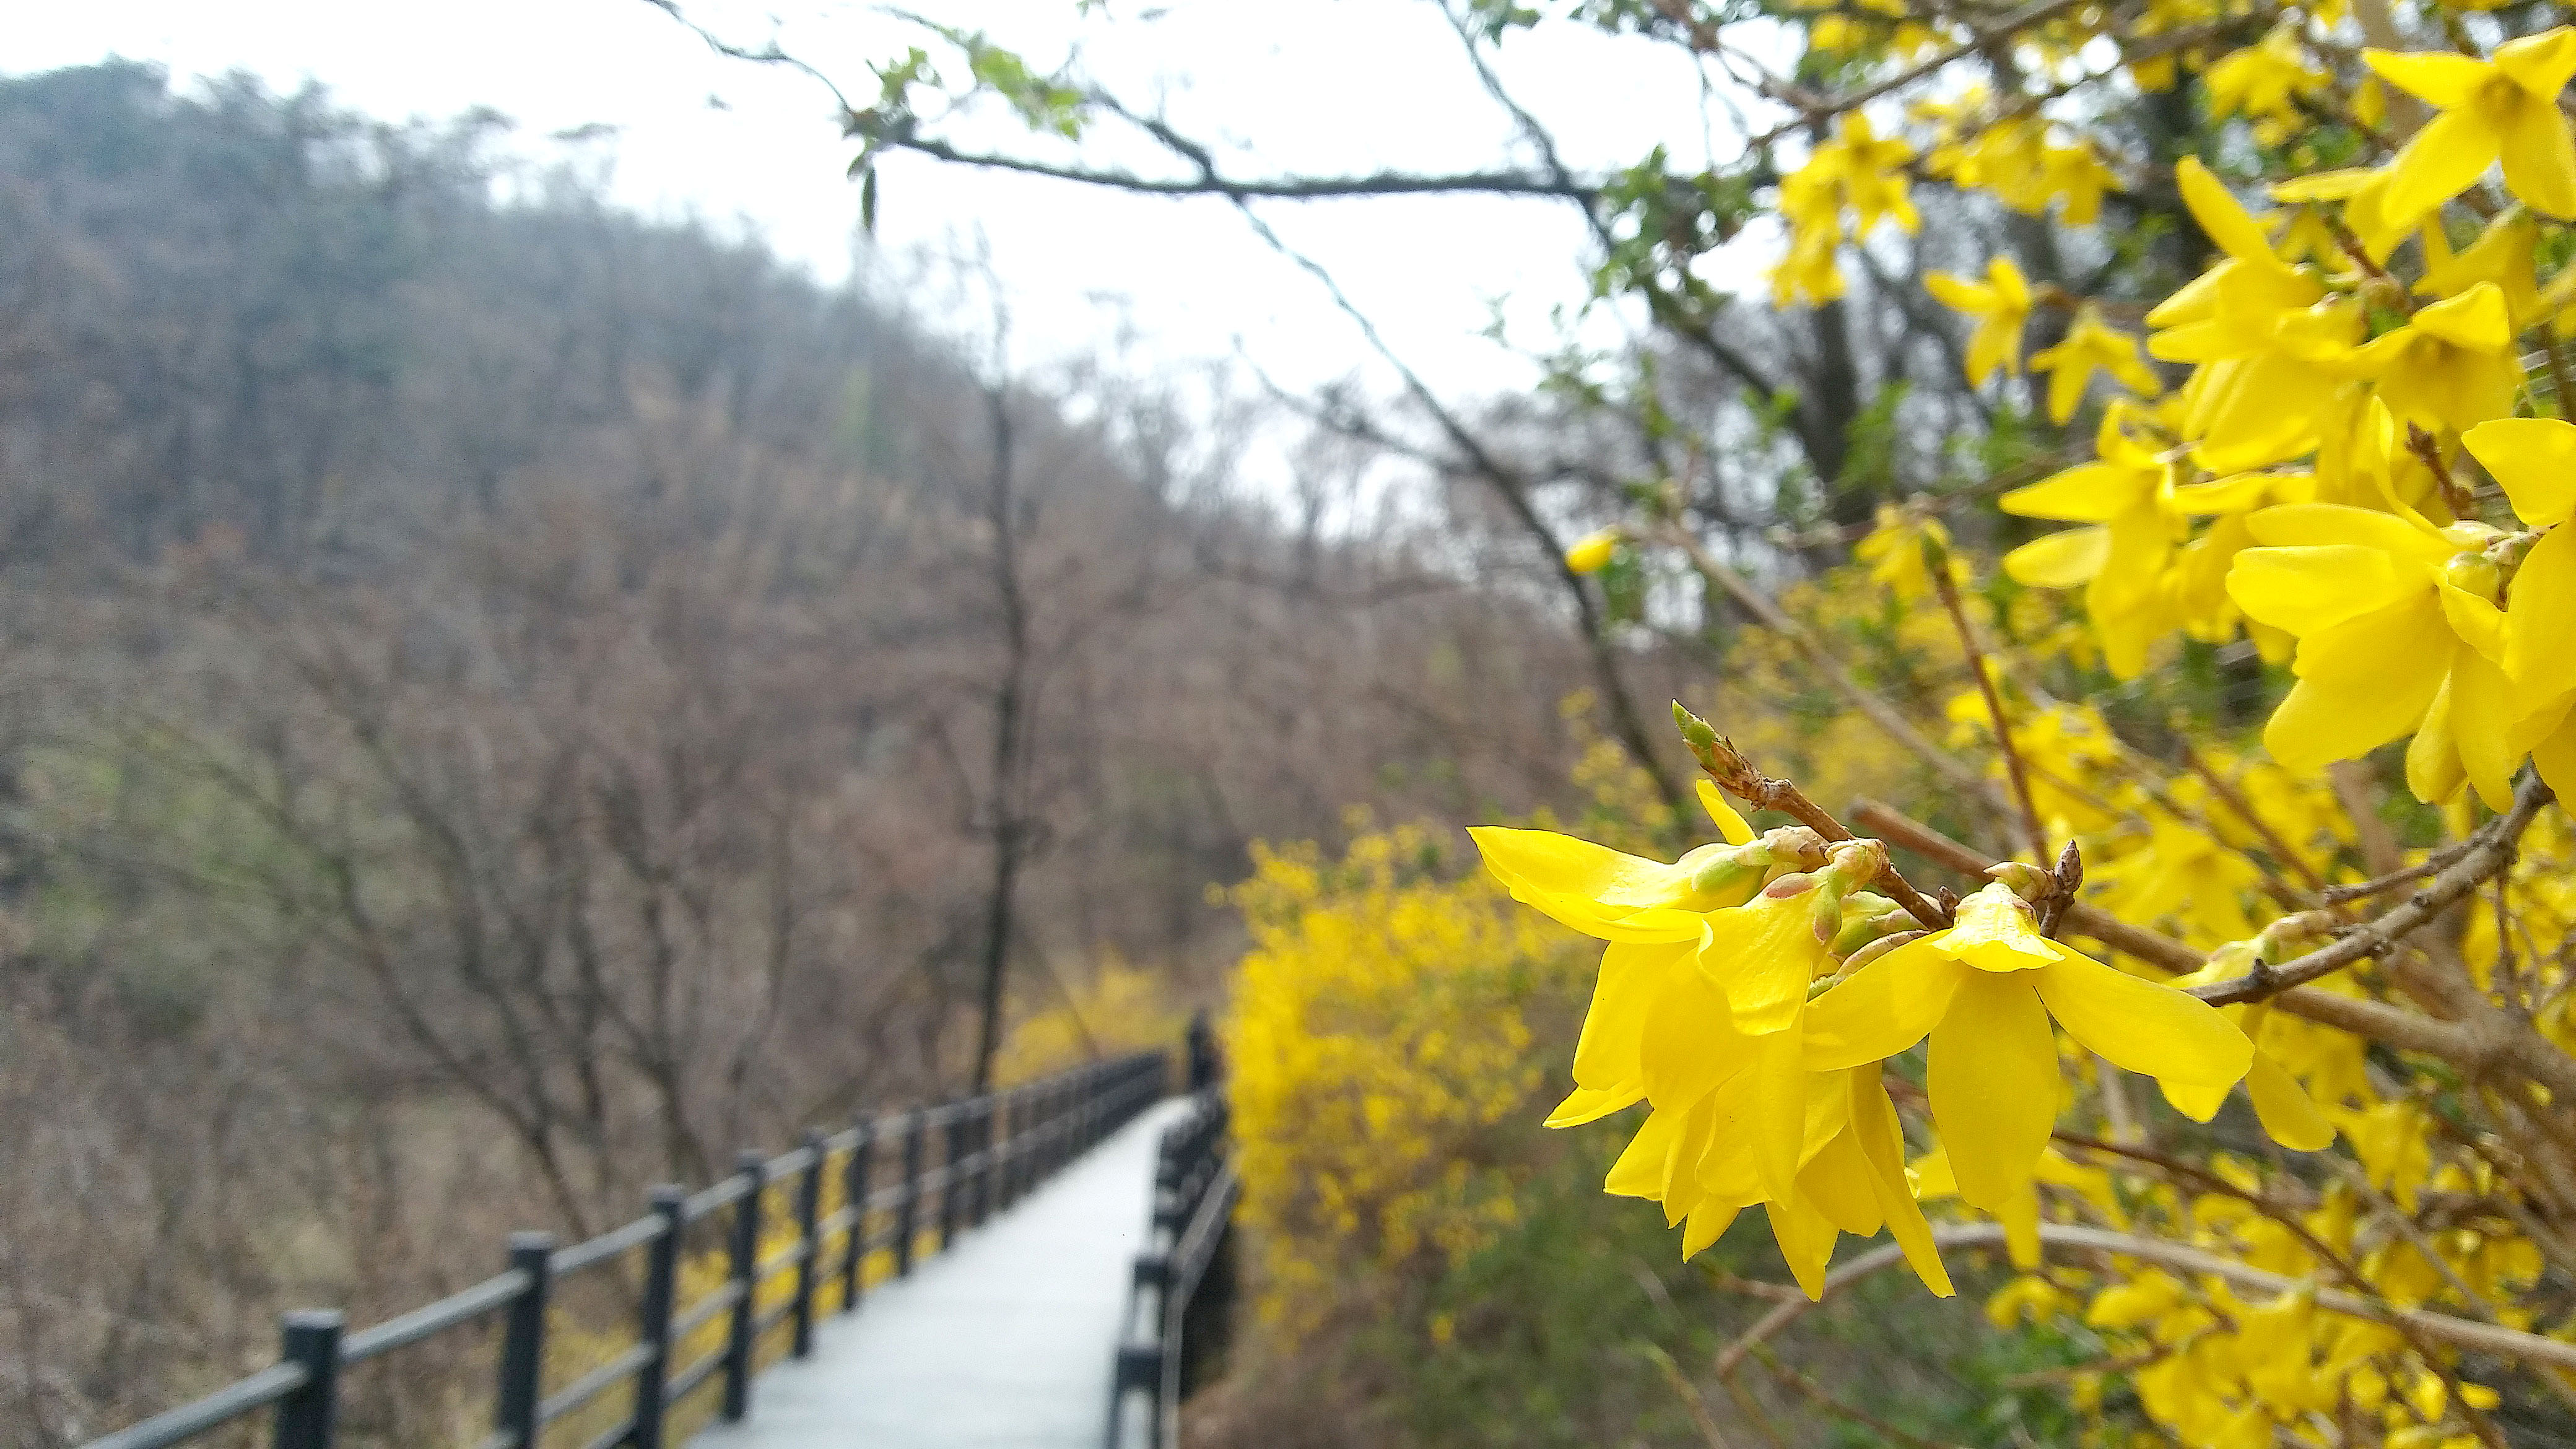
(1315, 85)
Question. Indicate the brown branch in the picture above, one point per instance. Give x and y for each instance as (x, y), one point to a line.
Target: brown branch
(2492, 852)
(1274, 188)
(2376, 1020)
(2429, 865)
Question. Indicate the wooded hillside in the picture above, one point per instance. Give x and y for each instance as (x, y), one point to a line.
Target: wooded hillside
(505, 702)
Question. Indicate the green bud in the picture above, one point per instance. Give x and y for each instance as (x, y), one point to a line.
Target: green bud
(1730, 870)
(1861, 927)
(1696, 732)
(2027, 881)
(2475, 573)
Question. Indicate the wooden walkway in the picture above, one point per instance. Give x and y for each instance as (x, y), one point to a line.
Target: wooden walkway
(1003, 1342)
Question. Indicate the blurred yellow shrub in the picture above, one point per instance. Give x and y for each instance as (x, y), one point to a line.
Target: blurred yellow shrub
(1382, 1027)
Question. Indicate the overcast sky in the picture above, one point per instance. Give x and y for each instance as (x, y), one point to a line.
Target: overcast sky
(1327, 85)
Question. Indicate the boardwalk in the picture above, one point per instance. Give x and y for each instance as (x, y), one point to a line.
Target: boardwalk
(1003, 1342)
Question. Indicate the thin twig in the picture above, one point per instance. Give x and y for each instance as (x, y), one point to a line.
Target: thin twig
(2226, 790)
(1689, 1394)
(1738, 777)
(1814, 1393)
(2034, 830)
(2505, 1343)
(2430, 865)
(1771, 616)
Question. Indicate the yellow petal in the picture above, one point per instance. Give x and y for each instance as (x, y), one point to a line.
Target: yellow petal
(1883, 1008)
(1882, 1141)
(1837, 1185)
(1997, 931)
(2555, 758)
(1632, 976)
(1587, 1104)
(1689, 1045)
(2481, 712)
(2308, 589)
(2282, 1106)
(1639, 1172)
(2228, 224)
(2089, 493)
(2445, 159)
(2542, 618)
(2540, 158)
(1573, 880)
(2362, 683)
(2020, 1218)
(2142, 1026)
(1779, 1119)
(2534, 460)
(2439, 80)
(2477, 319)
(2195, 1100)
(2060, 560)
(1764, 956)
(2295, 525)
(1707, 1223)
(1729, 824)
(1806, 1243)
(2433, 768)
(2540, 64)
(1994, 1086)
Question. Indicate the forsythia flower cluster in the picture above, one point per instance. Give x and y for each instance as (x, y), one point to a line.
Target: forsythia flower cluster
(1751, 991)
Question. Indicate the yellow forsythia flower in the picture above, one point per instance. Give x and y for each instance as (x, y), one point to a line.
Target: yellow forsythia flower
(2001, 305)
(1984, 991)
(2505, 108)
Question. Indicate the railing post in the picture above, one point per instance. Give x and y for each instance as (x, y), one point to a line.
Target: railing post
(1015, 1131)
(653, 1326)
(854, 1179)
(987, 1116)
(523, 1342)
(746, 1279)
(309, 1417)
(907, 1209)
(956, 1142)
(809, 1238)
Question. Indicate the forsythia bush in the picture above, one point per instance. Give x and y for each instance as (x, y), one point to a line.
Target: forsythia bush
(1379, 1029)
(2340, 442)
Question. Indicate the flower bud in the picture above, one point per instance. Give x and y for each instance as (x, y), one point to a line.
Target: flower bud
(2475, 573)
(1697, 733)
(2025, 880)
(1851, 864)
(1791, 885)
(1591, 553)
(1861, 929)
(1729, 871)
(1878, 948)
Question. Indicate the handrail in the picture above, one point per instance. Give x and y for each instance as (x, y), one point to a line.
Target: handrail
(1194, 1194)
(991, 1148)
(446, 1313)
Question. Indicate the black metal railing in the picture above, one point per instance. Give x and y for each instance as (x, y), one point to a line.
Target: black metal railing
(1194, 1192)
(993, 1149)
